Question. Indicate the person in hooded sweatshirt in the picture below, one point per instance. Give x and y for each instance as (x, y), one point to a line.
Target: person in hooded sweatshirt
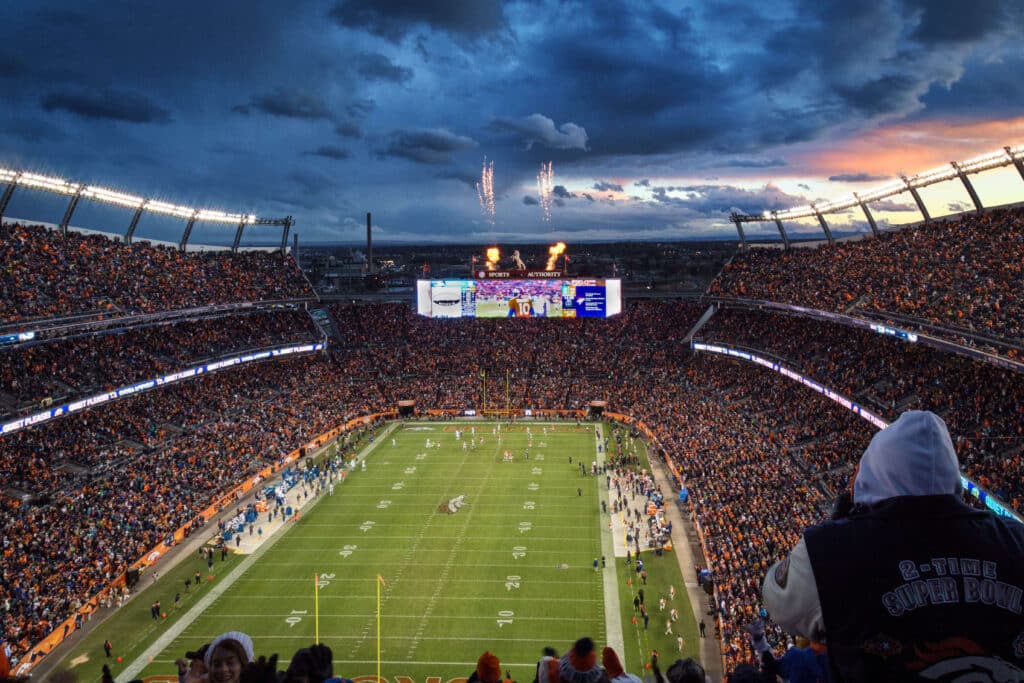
(908, 583)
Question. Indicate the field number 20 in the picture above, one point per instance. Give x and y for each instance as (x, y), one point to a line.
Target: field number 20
(505, 617)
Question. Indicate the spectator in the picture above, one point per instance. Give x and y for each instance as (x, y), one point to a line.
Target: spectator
(226, 656)
(613, 668)
(897, 594)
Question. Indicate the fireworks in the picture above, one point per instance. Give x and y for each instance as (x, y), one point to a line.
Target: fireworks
(545, 186)
(485, 191)
(554, 252)
(493, 256)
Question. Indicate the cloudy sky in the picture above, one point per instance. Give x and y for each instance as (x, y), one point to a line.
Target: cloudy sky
(659, 117)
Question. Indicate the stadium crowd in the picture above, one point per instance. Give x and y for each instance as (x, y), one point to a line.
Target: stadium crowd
(42, 276)
(983, 404)
(761, 456)
(82, 366)
(963, 275)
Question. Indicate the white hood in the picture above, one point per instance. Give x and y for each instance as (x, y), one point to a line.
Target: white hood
(913, 456)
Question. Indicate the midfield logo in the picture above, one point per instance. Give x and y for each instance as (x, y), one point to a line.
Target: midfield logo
(452, 506)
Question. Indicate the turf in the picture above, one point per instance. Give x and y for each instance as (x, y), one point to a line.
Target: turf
(511, 571)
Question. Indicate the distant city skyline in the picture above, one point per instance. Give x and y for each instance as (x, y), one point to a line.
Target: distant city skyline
(659, 118)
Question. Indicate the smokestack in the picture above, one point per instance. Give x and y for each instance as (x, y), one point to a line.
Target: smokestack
(295, 246)
(369, 246)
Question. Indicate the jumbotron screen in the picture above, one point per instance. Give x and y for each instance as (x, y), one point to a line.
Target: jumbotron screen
(570, 298)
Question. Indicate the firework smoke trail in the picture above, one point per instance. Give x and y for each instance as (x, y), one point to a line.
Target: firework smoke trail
(554, 252)
(485, 190)
(493, 256)
(545, 186)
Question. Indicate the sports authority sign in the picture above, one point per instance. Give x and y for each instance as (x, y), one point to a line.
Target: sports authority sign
(519, 274)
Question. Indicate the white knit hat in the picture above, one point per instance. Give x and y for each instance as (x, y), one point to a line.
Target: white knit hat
(237, 636)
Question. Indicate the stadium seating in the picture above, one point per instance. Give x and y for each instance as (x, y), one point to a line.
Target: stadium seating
(889, 376)
(761, 456)
(46, 275)
(963, 275)
(83, 366)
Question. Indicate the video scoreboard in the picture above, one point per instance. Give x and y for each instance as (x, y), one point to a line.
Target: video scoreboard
(519, 298)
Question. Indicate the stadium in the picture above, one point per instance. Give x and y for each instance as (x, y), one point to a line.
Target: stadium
(200, 438)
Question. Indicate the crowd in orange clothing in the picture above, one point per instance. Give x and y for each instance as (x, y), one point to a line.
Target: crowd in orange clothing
(982, 404)
(46, 275)
(962, 275)
(83, 366)
(761, 456)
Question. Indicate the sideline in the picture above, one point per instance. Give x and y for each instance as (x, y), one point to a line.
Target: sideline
(162, 642)
(710, 646)
(612, 611)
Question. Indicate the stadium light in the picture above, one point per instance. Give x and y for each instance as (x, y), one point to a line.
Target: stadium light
(984, 162)
(209, 216)
(884, 191)
(931, 176)
(48, 183)
(102, 194)
(169, 209)
(14, 179)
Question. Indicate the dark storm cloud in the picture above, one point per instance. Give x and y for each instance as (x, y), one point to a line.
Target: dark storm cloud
(394, 19)
(603, 186)
(560, 191)
(467, 177)
(537, 128)
(951, 21)
(31, 130)
(311, 182)
(348, 129)
(753, 163)
(329, 152)
(856, 178)
(11, 66)
(377, 67)
(649, 92)
(288, 102)
(855, 63)
(530, 200)
(113, 105)
(349, 125)
(433, 146)
(657, 92)
(714, 200)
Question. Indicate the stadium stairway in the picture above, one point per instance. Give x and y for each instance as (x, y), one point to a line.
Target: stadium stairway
(700, 323)
(326, 323)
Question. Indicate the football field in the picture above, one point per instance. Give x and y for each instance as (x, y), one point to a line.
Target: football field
(475, 553)
(511, 570)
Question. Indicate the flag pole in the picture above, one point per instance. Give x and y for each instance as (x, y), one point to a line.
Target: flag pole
(316, 608)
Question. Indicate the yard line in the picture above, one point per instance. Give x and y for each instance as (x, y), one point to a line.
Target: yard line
(133, 669)
(395, 617)
(283, 662)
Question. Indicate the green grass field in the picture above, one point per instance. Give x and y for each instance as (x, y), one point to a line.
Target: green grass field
(511, 571)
